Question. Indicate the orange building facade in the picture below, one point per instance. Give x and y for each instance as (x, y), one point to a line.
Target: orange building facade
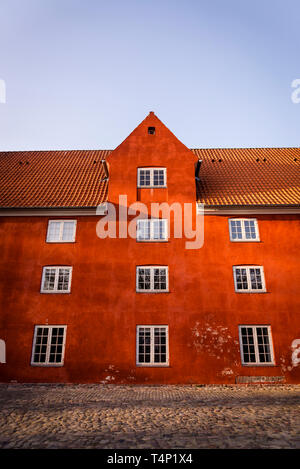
(87, 297)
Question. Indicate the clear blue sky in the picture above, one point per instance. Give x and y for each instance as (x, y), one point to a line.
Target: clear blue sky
(83, 74)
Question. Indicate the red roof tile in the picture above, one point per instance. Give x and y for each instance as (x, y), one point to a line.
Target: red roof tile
(241, 176)
(249, 176)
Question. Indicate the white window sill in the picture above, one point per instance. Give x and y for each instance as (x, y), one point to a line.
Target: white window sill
(55, 291)
(152, 187)
(251, 291)
(153, 365)
(152, 291)
(258, 364)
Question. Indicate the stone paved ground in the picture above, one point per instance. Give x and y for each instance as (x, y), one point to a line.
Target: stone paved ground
(150, 417)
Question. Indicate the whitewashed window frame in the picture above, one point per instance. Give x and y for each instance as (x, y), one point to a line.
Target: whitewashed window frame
(151, 185)
(244, 239)
(55, 290)
(47, 363)
(151, 222)
(152, 268)
(61, 228)
(152, 363)
(250, 289)
(256, 345)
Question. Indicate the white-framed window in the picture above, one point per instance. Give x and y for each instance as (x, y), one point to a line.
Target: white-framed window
(243, 229)
(249, 279)
(152, 279)
(152, 230)
(61, 231)
(56, 279)
(152, 177)
(152, 346)
(48, 345)
(256, 345)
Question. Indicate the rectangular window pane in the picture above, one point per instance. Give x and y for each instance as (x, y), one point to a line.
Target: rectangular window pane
(255, 276)
(159, 348)
(249, 279)
(63, 279)
(56, 279)
(61, 231)
(144, 345)
(151, 345)
(68, 231)
(152, 279)
(263, 345)
(255, 349)
(160, 279)
(158, 177)
(143, 230)
(241, 279)
(144, 177)
(48, 345)
(49, 279)
(144, 279)
(54, 231)
(151, 177)
(243, 230)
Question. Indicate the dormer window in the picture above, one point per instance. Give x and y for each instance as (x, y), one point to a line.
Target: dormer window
(151, 130)
(152, 177)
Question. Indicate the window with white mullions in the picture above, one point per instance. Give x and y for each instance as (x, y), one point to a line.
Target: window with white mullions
(152, 177)
(249, 279)
(152, 345)
(256, 345)
(151, 279)
(242, 229)
(158, 177)
(48, 345)
(152, 230)
(56, 279)
(61, 231)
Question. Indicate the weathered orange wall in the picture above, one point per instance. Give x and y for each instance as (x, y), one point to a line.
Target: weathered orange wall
(202, 310)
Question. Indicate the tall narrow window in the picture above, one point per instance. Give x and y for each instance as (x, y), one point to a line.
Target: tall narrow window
(151, 279)
(61, 231)
(249, 279)
(152, 177)
(48, 345)
(152, 230)
(151, 130)
(152, 346)
(241, 229)
(56, 279)
(256, 345)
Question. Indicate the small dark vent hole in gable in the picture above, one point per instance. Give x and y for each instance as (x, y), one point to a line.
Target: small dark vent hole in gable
(151, 130)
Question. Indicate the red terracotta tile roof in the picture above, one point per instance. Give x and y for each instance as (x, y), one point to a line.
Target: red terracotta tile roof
(52, 178)
(234, 177)
(249, 176)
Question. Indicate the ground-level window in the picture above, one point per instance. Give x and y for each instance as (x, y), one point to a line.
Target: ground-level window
(242, 229)
(152, 346)
(152, 230)
(56, 279)
(256, 345)
(249, 279)
(2, 351)
(152, 177)
(48, 345)
(61, 231)
(152, 279)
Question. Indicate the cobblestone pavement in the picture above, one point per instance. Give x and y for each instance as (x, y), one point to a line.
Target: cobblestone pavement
(150, 417)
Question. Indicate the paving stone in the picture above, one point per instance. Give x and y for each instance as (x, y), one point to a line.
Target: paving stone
(165, 417)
